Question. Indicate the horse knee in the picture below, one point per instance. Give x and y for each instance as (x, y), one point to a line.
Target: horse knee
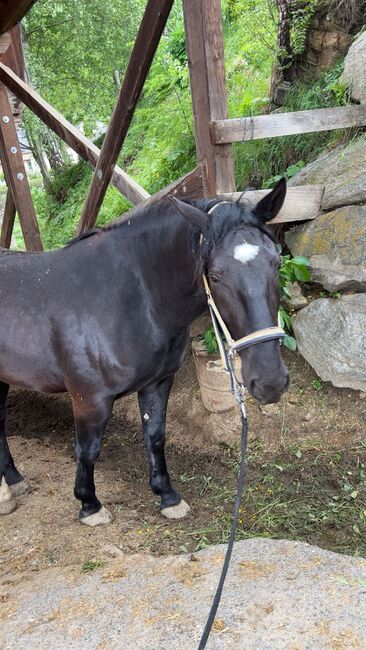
(88, 453)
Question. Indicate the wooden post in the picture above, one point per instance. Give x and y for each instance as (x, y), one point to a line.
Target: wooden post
(148, 37)
(15, 174)
(205, 49)
(8, 221)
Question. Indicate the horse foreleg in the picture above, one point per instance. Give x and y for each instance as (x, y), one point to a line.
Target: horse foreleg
(91, 417)
(153, 403)
(12, 483)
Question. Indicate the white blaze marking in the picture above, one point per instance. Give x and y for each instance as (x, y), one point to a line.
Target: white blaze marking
(245, 252)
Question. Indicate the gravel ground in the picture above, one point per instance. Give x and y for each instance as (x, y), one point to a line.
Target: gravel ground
(279, 595)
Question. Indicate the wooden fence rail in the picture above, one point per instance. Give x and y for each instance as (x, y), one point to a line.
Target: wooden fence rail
(278, 124)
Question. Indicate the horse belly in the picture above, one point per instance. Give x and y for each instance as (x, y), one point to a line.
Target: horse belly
(26, 356)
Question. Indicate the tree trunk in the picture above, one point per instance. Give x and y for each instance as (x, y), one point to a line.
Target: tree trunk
(38, 155)
(283, 71)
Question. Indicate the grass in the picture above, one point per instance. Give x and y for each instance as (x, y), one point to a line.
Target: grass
(91, 565)
(310, 495)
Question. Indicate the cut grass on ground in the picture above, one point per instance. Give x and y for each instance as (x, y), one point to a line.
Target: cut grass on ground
(316, 496)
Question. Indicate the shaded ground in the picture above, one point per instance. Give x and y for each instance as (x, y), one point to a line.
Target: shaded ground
(306, 477)
(279, 595)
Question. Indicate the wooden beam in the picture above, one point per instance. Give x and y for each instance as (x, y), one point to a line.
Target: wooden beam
(278, 124)
(14, 56)
(8, 221)
(301, 203)
(69, 133)
(15, 174)
(205, 51)
(147, 40)
(12, 11)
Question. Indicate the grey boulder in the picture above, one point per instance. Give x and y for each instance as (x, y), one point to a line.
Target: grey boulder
(331, 336)
(354, 73)
(343, 173)
(335, 242)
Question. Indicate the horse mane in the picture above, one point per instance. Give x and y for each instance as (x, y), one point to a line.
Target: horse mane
(229, 216)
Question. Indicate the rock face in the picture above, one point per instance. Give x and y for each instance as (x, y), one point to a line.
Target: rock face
(278, 595)
(335, 242)
(355, 69)
(342, 171)
(331, 336)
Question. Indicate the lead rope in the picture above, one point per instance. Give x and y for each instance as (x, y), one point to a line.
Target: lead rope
(238, 390)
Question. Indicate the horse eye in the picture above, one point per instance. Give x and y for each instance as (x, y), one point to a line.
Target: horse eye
(214, 278)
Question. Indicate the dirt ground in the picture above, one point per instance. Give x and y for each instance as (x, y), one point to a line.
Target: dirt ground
(306, 476)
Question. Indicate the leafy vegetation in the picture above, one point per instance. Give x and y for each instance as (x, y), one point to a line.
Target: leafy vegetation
(292, 269)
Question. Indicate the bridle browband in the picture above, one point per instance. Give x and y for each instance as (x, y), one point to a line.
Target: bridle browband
(237, 387)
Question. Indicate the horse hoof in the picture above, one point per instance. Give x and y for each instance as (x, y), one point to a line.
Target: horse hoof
(7, 501)
(100, 518)
(176, 512)
(22, 487)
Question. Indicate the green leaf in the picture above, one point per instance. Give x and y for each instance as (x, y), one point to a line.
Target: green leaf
(300, 260)
(290, 342)
(302, 273)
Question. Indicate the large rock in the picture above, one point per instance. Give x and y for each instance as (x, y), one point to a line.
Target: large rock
(331, 336)
(335, 242)
(355, 69)
(279, 595)
(342, 172)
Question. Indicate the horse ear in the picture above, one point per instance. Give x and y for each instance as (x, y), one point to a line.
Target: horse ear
(271, 204)
(196, 217)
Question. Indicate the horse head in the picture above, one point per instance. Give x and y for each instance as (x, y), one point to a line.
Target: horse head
(239, 257)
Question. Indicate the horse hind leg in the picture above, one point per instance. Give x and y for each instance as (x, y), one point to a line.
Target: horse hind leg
(153, 403)
(91, 417)
(11, 481)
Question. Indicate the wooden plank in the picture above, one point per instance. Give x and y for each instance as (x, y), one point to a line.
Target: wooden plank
(147, 40)
(15, 174)
(205, 51)
(301, 203)
(69, 133)
(278, 124)
(12, 11)
(8, 221)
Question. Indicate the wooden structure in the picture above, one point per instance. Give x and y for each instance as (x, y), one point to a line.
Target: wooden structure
(214, 132)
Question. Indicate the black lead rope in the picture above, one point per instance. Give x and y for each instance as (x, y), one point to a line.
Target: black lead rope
(220, 586)
(240, 397)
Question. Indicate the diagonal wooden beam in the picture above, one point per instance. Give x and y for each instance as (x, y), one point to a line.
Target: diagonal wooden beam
(147, 40)
(189, 186)
(84, 147)
(15, 174)
(8, 221)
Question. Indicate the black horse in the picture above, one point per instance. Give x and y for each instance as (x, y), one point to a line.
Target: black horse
(109, 315)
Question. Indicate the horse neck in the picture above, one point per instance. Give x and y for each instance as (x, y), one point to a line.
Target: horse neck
(166, 253)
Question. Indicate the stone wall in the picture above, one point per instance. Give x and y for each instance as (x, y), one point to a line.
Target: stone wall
(330, 331)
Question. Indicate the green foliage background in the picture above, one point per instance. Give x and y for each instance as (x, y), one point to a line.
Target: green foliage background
(73, 48)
